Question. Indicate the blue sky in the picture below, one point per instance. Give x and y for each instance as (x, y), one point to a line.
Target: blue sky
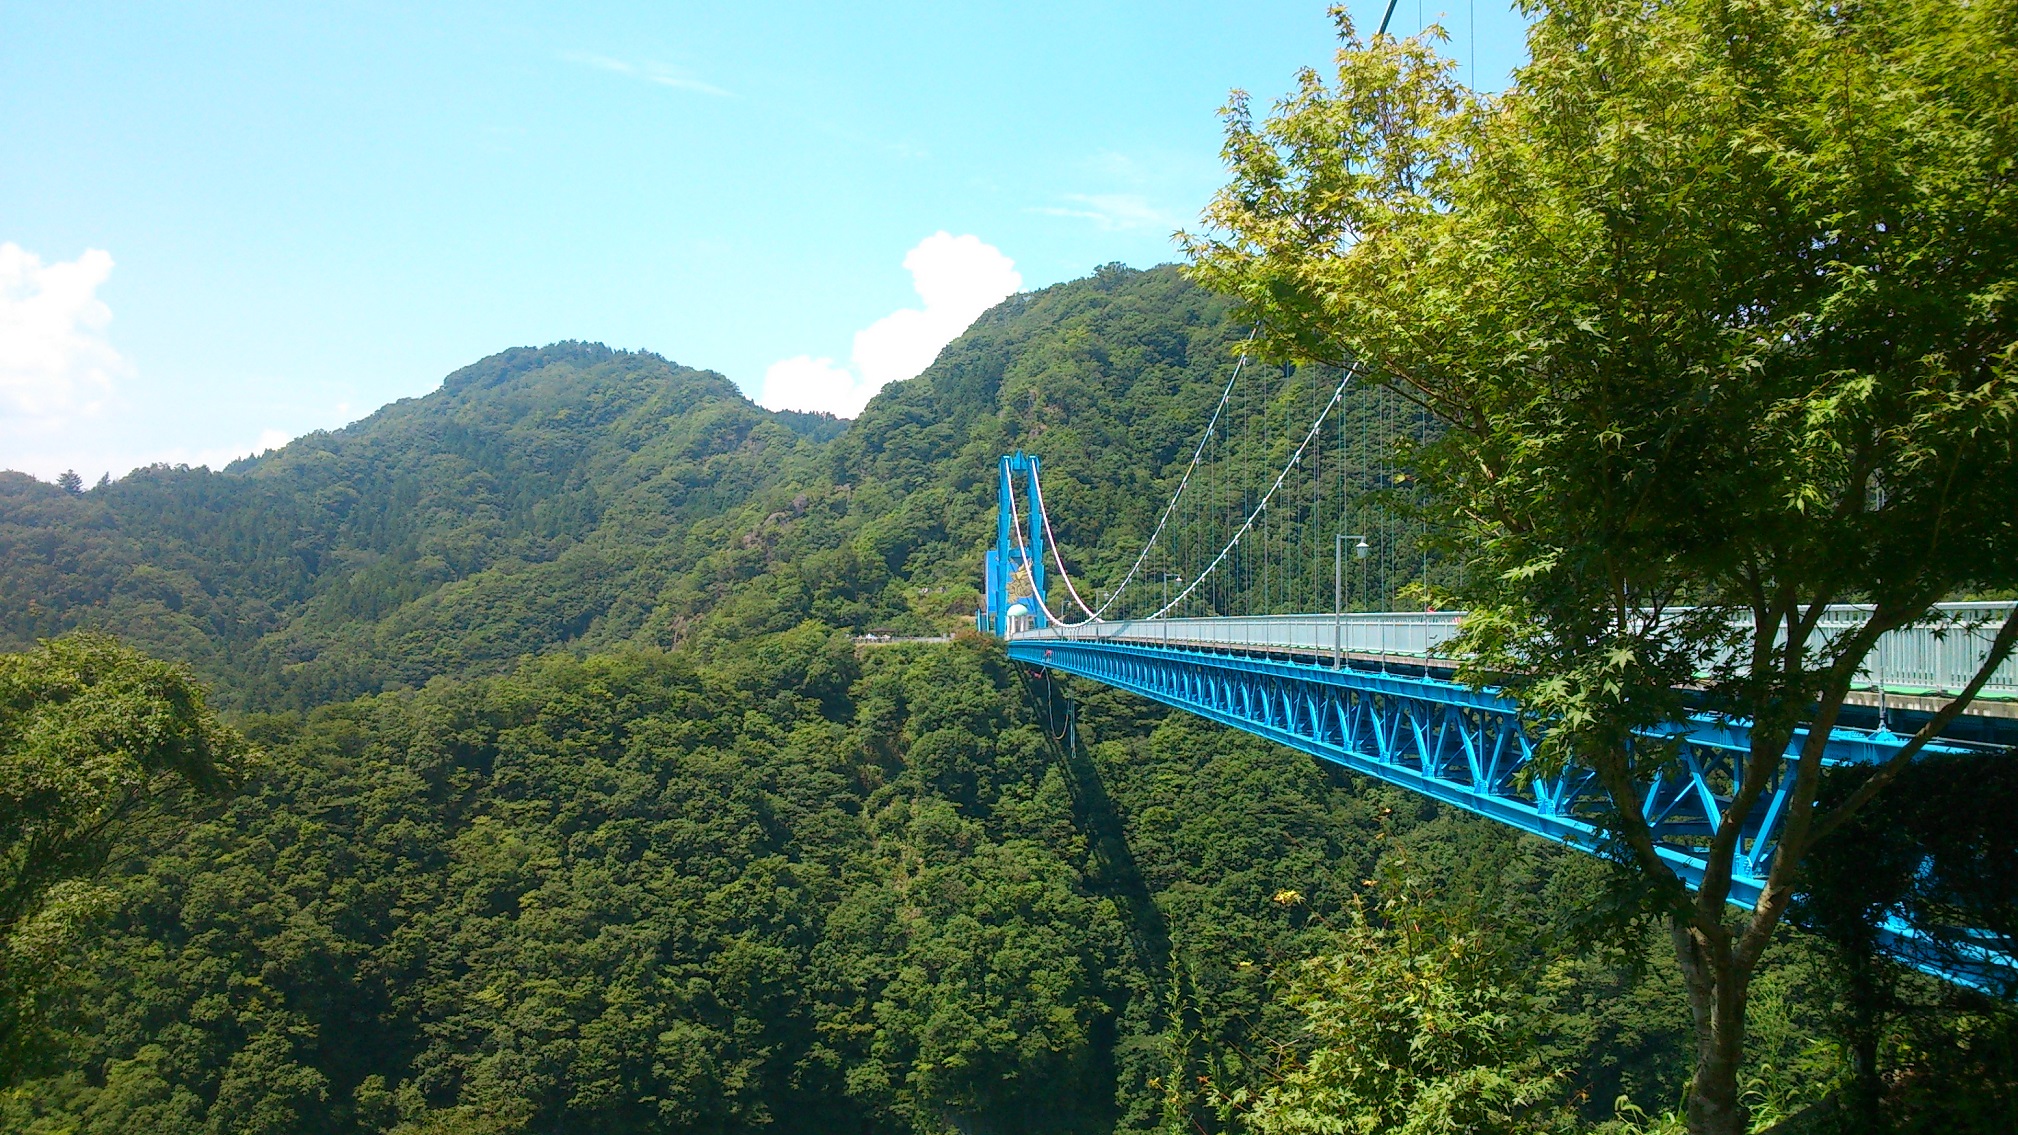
(231, 224)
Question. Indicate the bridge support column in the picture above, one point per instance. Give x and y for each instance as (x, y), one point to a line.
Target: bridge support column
(1007, 560)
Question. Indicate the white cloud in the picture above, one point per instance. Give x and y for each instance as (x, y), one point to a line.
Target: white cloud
(217, 457)
(957, 277)
(55, 362)
(1113, 212)
(90, 456)
(663, 74)
(65, 393)
(803, 382)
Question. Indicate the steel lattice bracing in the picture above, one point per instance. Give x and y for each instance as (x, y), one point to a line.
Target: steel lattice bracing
(1368, 691)
(1465, 748)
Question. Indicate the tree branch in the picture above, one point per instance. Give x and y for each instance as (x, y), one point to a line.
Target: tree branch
(2000, 649)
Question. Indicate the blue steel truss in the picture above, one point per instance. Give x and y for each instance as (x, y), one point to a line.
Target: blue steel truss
(1465, 747)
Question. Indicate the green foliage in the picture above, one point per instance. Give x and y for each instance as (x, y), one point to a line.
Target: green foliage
(1413, 1026)
(786, 889)
(1944, 852)
(1715, 302)
(95, 740)
(625, 834)
(539, 497)
(791, 887)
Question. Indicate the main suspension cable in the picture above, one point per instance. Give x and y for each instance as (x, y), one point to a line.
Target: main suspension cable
(1023, 546)
(1295, 459)
(1337, 394)
(1037, 488)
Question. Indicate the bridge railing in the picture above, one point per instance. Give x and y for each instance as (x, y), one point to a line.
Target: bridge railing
(1939, 656)
(1402, 633)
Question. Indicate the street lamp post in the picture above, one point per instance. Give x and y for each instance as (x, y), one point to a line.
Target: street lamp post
(1359, 552)
(1167, 577)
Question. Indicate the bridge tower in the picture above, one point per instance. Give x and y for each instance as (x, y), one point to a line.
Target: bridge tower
(1013, 565)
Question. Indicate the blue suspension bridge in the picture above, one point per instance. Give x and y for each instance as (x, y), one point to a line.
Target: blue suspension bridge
(1373, 692)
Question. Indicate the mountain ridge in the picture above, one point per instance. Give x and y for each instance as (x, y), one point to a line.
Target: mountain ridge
(511, 462)
(573, 496)
(581, 810)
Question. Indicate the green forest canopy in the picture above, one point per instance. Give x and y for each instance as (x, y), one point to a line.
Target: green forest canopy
(583, 812)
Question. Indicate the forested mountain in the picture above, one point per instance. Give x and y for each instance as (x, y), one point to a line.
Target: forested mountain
(794, 890)
(514, 508)
(582, 812)
(572, 496)
(577, 496)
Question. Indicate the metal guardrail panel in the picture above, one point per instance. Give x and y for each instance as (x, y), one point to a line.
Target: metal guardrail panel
(1939, 656)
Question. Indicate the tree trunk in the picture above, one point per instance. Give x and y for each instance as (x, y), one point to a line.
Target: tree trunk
(1717, 1003)
(1714, 1106)
(1867, 996)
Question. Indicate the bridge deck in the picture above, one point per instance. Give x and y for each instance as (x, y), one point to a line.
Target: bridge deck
(1389, 709)
(1916, 668)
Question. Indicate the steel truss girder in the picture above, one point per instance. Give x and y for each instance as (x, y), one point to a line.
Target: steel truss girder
(1465, 747)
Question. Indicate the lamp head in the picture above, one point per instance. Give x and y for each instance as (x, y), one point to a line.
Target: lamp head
(1361, 550)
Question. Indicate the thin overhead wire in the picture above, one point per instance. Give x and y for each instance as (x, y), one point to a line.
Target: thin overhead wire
(1022, 545)
(1204, 439)
(1247, 525)
(1044, 514)
(1295, 460)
